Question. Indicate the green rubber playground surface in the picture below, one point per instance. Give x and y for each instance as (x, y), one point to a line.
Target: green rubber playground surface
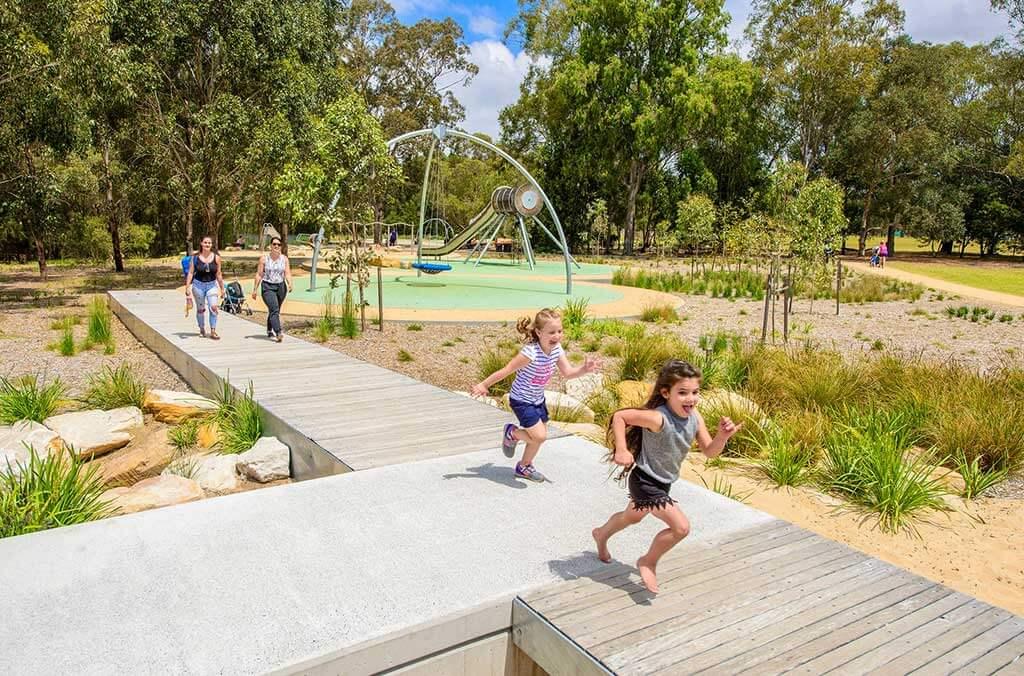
(488, 287)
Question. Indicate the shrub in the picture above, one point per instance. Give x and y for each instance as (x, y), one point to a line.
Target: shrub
(28, 399)
(404, 356)
(185, 435)
(348, 327)
(322, 329)
(809, 379)
(977, 479)
(184, 465)
(99, 325)
(784, 460)
(982, 421)
(495, 359)
(643, 353)
(49, 492)
(874, 289)
(716, 283)
(866, 462)
(608, 327)
(574, 316)
(114, 388)
(1006, 318)
(66, 345)
(238, 419)
(414, 327)
(659, 313)
(723, 487)
(64, 322)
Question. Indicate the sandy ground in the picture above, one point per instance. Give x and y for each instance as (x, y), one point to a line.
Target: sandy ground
(975, 549)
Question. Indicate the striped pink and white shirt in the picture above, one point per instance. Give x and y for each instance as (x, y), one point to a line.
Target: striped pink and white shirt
(528, 386)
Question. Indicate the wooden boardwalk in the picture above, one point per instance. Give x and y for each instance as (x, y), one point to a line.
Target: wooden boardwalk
(767, 600)
(337, 413)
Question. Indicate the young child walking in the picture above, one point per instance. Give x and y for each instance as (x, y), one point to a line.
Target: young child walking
(533, 366)
(651, 443)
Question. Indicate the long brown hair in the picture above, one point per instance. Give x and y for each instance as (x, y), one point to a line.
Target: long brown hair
(529, 328)
(671, 373)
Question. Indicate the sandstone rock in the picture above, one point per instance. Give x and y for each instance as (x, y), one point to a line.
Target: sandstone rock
(588, 431)
(159, 491)
(209, 434)
(585, 386)
(216, 474)
(93, 433)
(14, 439)
(145, 457)
(173, 407)
(633, 393)
(490, 401)
(266, 461)
(718, 403)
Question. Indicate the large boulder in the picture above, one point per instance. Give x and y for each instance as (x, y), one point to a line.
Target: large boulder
(216, 474)
(718, 403)
(208, 434)
(588, 431)
(563, 407)
(633, 393)
(159, 491)
(172, 407)
(145, 457)
(266, 461)
(15, 438)
(93, 433)
(585, 387)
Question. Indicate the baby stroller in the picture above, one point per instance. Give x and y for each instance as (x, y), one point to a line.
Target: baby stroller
(875, 261)
(234, 300)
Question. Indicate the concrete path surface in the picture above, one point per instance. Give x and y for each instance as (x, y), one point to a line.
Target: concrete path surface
(951, 287)
(254, 581)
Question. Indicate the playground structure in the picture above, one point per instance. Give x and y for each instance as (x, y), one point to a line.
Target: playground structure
(507, 206)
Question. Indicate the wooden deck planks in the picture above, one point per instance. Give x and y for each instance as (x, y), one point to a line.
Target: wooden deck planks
(364, 415)
(778, 599)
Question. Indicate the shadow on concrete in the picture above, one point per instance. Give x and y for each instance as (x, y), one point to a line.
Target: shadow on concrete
(613, 575)
(187, 334)
(498, 474)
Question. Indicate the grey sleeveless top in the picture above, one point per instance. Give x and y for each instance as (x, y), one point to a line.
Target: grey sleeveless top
(663, 452)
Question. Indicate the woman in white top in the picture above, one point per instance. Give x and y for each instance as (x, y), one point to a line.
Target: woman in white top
(272, 276)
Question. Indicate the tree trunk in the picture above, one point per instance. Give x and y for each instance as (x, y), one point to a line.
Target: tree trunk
(41, 257)
(113, 227)
(210, 214)
(189, 230)
(635, 176)
(284, 237)
(890, 239)
(865, 219)
(946, 247)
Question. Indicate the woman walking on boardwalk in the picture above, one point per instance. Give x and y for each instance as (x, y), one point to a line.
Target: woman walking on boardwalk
(533, 366)
(274, 281)
(205, 283)
(651, 443)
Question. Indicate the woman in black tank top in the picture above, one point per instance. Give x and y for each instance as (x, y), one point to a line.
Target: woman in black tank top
(205, 284)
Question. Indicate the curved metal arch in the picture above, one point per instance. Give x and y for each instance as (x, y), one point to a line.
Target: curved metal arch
(441, 131)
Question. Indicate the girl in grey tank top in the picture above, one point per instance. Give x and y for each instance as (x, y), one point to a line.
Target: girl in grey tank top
(652, 442)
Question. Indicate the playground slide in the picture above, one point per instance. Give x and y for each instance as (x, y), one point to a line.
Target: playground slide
(477, 227)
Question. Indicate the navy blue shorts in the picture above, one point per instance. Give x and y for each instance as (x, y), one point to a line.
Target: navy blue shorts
(529, 414)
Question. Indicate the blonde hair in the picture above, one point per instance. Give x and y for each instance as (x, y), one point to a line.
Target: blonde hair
(529, 328)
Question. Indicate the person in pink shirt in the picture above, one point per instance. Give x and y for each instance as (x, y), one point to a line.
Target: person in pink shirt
(883, 253)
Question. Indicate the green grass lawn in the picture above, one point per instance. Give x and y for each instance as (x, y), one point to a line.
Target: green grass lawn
(1003, 279)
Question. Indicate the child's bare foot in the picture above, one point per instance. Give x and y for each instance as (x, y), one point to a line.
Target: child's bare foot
(647, 575)
(602, 546)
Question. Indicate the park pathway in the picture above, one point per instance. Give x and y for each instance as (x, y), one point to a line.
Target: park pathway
(951, 287)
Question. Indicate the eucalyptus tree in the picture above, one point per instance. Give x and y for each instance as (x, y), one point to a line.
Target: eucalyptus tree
(627, 79)
(820, 57)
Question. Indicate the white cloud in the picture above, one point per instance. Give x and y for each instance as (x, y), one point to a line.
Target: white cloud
(494, 87)
(485, 25)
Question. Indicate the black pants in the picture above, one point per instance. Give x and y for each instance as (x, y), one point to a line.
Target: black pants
(273, 297)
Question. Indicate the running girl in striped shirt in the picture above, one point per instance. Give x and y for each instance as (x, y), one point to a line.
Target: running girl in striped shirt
(533, 366)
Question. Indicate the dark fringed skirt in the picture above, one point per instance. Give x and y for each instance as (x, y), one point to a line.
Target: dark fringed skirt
(646, 492)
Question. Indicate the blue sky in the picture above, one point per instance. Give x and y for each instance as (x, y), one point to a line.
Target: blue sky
(502, 66)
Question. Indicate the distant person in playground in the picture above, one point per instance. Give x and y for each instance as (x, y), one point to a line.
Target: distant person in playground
(533, 366)
(205, 282)
(392, 238)
(883, 253)
(651, 443)
(274, 280)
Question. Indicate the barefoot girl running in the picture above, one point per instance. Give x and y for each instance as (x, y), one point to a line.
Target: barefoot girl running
(658, 437)
(533, 367)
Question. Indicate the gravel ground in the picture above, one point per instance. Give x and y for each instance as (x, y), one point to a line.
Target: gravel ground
(26, 334)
